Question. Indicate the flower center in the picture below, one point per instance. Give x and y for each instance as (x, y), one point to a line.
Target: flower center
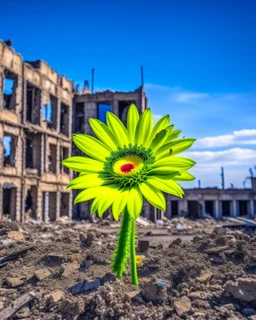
(128, 167)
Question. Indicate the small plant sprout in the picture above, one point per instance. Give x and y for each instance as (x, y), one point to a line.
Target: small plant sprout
(124, 165)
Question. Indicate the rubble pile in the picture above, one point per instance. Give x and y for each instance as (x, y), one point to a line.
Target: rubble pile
(69, 277)
(181, 225)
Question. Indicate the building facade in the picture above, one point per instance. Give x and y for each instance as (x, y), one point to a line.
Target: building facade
(39, 109)
(214, 202)
(35, 135)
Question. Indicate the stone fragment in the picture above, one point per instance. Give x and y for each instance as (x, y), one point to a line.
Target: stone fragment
(143, 245)
(132, 294)
(86, 239)
(249, 312)
(42, 274)
(71, 307)
(16, 305)
(53, 298)
(221, 241)
(54, 259)
(205, 278)
(16, 235)
(23, 313)
(152, 291)
(243, 289)
(216, 250)
(108, 277)
(84, 286)
(69, 268)
(14, 282)
(182, 305)
(198, 295)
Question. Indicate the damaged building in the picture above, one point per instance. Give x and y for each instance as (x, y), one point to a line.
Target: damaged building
(39, 110)
(35, 135)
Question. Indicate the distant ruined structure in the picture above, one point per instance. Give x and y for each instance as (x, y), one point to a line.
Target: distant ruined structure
(39, 110)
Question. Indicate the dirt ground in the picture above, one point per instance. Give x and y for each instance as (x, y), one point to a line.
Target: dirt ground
(68, 276)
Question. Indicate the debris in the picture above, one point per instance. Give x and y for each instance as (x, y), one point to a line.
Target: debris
(53, 298)
(17, 305)
(41, 274)
(205, 278)
(132, 294)
(182, 305)
(216, 250)
(16, 235)
(68, 268)
(243, 289)
(14, 255)
(84, 286)
(14, 282)
(143, 245)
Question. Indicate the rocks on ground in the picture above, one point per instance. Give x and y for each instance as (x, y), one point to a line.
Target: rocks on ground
(69, 276)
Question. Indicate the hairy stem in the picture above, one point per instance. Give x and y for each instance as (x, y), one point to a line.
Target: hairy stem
(122, 250)
(133, 254)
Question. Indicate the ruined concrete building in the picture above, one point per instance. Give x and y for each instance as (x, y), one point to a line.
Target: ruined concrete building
(35, 132)
(38, 111)
(214, 202)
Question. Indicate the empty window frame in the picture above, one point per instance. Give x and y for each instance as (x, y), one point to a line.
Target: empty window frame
(9, 202)
(102, 111)
(33, 103)
(53, 158)
(9, 145)
(64, 119)
(33, 151)
(64, 153)
(10, 85)
(49, 112)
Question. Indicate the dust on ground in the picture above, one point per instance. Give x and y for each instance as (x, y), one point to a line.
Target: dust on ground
(68, 276)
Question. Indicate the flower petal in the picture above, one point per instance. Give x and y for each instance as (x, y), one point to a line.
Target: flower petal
(168, 186)
(153, 195)
(172, 148)
(144, 127)
(159, 126)
(164, 170)
(173, 135)
(184, 176)
(159, 140)
(89, 181)
(132, 120)
(119, 204)
(118, 129)
(135, 202)
(91, 146)
(181, 145)
(83, 164)
(107, 198)
(174, 163)
(87, 194)
(103, 133)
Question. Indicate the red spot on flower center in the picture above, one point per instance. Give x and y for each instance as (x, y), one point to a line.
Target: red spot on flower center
(126, 168)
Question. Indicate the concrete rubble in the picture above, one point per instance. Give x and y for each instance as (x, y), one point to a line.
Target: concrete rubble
(67, 275)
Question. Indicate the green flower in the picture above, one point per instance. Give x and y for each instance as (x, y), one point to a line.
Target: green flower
(126, 164)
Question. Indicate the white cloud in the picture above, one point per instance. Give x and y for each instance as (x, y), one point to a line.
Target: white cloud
(189, 96)
(229, 157)
(239, 137)
(236, 163)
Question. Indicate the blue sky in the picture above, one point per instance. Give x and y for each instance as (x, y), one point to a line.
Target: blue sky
(198, 58)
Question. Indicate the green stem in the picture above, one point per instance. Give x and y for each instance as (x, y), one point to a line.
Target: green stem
(123, 245)
(133, 254)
